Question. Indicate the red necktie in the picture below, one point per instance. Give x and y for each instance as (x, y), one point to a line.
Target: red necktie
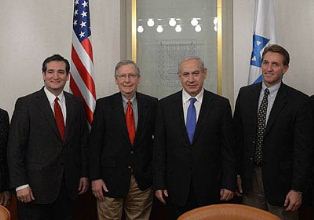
(130, 122)
(59, 117)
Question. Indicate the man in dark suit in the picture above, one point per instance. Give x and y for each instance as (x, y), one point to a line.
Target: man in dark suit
(47, 147)
(193, 150)
(4, 177)
(311, 187)
(121, 148)
(273, 125)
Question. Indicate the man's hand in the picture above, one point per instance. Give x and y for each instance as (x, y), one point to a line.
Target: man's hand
(161, 195)
(25, 195)
(83, 185)
(98, 186)
(226, 195)
(5, 198)
(239, 185)
(293, 200)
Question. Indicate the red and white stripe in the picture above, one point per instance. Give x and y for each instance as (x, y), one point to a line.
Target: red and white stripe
(81, 79)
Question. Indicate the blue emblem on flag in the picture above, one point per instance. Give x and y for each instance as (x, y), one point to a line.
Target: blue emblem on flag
(259, 43)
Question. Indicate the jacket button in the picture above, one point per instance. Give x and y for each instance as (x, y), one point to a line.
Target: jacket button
(251, 158)
(132, 152)
(129, 167)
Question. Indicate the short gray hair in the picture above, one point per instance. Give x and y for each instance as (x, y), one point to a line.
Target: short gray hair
(200, 61)
(126, 62)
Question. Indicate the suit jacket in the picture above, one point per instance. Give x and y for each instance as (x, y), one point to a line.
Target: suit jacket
(4, 131)
(112, 156)
(286, 145)
(311, 190)
(206, 165)
(36, 153)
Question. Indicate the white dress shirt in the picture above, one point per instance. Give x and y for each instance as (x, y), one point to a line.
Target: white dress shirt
(273, 90)
(186, 102)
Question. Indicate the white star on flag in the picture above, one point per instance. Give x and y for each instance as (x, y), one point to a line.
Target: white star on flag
(84, 4)
(84, 14)
(82, 34)
(83, 24)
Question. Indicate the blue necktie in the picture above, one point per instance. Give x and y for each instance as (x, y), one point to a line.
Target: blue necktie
(191, 119)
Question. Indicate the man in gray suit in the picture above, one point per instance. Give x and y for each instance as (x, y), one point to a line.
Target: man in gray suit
(46, 148)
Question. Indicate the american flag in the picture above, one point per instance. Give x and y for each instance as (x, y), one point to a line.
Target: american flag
(81, 79)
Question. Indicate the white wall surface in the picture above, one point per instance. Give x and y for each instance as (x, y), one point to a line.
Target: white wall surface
(35, 29)
(295, 31)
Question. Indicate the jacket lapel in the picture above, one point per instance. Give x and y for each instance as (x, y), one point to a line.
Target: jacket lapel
(44, 106)
(118, 110)
(142, 116)
(279, 103)
(203, 115)
(69, 116)
(178, 116)
(252, 103)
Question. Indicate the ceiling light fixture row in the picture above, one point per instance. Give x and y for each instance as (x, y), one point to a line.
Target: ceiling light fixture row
(159, 24)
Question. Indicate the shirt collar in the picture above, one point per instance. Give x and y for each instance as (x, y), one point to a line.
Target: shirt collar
(272, 89)
(51, 97)
(186, 96)
(126, 100)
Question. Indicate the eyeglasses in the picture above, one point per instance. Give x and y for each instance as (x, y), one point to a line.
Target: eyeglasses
(125, 76)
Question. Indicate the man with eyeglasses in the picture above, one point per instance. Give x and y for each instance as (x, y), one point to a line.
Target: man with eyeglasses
(193, 157)
(121, 148)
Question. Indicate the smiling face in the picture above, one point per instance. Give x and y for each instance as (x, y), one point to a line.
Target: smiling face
(273, 68)
(55, 77)
(192, 76)
(127, 79)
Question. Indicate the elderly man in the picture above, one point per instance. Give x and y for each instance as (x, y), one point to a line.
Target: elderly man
(121, 145)
(193, 153)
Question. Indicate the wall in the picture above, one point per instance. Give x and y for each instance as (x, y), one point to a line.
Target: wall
(35, 29)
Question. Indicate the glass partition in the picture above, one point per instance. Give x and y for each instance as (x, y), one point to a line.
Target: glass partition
(166, 31)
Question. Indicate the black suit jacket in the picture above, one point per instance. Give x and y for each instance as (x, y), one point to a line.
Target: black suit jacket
(112, 157)
(4, 131)
(207, 163)
(311, 190)
(287, 141)
(36, 153)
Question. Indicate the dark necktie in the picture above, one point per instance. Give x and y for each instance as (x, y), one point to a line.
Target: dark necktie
(191, 119)
(261, 124)
(130, 124)
(59, 118)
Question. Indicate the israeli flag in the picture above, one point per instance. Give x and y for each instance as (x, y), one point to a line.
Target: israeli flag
(264, 34)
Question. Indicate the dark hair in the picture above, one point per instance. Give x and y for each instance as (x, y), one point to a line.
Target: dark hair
(126, 62)
(275, 48)
(56, 57)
